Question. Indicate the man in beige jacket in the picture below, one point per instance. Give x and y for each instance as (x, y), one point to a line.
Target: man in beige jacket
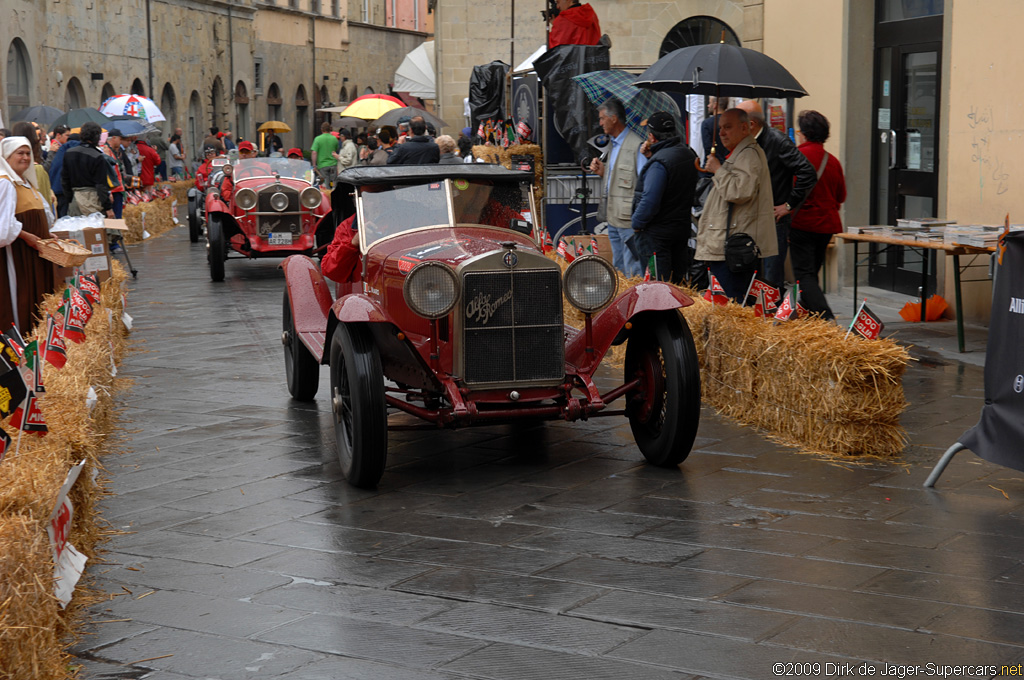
(743, 183)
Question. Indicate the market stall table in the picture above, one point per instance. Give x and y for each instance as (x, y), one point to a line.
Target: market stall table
(956, 250)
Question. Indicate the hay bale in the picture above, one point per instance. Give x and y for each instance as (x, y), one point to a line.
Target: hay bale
(158, 219)
(802, 382)
(33, 627)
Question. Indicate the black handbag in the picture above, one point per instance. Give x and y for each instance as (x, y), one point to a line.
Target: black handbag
(741, 251)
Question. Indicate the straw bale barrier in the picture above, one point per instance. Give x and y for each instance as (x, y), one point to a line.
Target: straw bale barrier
(33, 628)
(158, 213)
(802, 382)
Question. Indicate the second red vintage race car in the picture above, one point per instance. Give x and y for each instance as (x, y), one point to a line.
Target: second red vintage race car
(454, 315)
(274, 210)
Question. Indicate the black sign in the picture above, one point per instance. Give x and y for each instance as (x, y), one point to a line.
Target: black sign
(998, 435)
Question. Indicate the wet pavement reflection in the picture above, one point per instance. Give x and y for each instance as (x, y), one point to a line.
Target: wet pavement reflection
(518, 552)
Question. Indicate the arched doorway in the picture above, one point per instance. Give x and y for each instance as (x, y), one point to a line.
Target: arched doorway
(301, 127)
(169, 107)
(216, 103)
(106, 93)
(74, 96)
(697, 30)
(368, 90)
(242, 112)
(274, 102)
(194, 133)
(343, 95)
(321, 101)
(137, 87)
(19, 77)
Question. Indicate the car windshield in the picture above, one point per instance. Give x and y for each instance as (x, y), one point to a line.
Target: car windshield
(268, 167)
(389, 210)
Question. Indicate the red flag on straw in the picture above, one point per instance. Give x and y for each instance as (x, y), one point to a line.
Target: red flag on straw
(715, 293)
(866, 324)
(55, 351)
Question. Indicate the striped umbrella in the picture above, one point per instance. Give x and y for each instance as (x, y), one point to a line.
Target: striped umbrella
(601, 86)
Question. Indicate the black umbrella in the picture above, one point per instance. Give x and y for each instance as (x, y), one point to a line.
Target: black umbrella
(392, 116)
(721, 70)
(350, 121)
(75, 118)
(44, 115)
(132, 126)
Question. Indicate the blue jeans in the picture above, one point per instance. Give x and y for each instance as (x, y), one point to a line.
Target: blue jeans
(775, 266)
(735, 285)
(622, 257)
(117, 198)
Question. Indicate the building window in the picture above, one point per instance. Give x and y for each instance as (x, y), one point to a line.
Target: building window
(19, 75)
(366, 12)
(317, 7)
(699, 30)
(336, 8)
(257, 76)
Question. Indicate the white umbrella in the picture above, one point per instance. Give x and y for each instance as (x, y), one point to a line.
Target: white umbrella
(415, 74)
(134, 105)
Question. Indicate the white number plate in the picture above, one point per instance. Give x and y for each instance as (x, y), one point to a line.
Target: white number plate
(278, 239)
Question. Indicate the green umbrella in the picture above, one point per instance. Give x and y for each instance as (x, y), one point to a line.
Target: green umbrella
(75, 118)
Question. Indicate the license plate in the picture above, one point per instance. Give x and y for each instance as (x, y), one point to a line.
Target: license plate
(277, 239)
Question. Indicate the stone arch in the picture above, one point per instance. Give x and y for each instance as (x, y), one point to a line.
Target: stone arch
(368, 90)
(107, 92)
(302, 134)
(138, 88)
(698, 30)
(217, 102)
(274, 102)
(19, 77)
(169, 106)
(194, 131)
(343, 95)
(74, 95)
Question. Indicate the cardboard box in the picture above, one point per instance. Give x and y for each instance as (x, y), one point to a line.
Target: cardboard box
(95, 240)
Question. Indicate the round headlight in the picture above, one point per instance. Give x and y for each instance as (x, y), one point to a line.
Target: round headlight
(590, 283)
(279, 202)
(310, 197)
(245, 199)
(431, 290)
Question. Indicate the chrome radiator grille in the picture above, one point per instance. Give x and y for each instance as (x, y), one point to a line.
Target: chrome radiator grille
(286, 220)
(512, 326)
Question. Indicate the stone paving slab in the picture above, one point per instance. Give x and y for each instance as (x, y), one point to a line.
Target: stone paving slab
(519, 552)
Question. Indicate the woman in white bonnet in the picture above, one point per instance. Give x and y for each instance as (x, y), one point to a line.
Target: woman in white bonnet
(25, 218)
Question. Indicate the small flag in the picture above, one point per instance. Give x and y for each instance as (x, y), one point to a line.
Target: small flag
(715, 293)
(593, 246)
(565, 251)
(12, 392)
(5, 444)
(865, 323)
(760, 306)
(579, 250)
(89, 287)
(12, 346)
(787, 310)
(78, 314)
(55, 351)
(772, 296)
(34, 421)
(652, 268)
(34, 362)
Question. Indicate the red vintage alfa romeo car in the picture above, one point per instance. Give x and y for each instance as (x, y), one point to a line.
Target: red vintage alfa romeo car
(274, 210)
(454, 315)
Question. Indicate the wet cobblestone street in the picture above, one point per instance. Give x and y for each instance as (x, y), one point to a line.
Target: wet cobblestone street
(519, 553)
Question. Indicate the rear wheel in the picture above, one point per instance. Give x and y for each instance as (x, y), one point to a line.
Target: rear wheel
(193, 220)
(301, 368)
(665, 412)
(217, 247)
(358, 405)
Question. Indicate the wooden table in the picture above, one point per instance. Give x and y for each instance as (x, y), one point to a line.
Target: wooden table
(949, 249)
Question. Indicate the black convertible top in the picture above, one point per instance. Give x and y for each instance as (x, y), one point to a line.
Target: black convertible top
(421, 174)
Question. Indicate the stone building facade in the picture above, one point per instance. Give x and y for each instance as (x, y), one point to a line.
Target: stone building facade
(233, 64)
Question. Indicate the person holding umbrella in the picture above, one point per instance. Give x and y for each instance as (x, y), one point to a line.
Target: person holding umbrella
(740, 201)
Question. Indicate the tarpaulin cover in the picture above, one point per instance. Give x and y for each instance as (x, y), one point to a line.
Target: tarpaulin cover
(573, 115)
(998, 435)
(487, 92)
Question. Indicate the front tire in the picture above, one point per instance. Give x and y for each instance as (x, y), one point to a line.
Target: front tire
(301, 369)
(358, 405)
(193, 221)
(664, 413)
(218, 247)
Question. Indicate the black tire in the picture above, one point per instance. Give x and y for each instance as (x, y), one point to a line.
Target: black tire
(665, 413)
(301, 369)
(193, 221)
(358, 406)
(218, 247)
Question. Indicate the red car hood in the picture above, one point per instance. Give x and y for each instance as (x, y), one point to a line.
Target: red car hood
(444, 244)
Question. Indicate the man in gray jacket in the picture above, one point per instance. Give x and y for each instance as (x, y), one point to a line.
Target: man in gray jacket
(740, 201)
(620, 172)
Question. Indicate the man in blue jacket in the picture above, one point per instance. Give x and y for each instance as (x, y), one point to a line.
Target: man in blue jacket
(662, 201)
(57, 170)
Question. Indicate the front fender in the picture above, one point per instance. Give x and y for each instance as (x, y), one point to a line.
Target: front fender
(309, 295)
(609, 322)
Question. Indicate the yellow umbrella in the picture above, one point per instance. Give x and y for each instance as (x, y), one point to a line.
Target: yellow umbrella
(274, 126)
(370, 109)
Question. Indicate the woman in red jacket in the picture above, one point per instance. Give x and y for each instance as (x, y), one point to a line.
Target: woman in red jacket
(150, 159)
(575, 24)
(818, 218)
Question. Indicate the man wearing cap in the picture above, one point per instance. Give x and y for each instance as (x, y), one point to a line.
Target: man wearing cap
(295, 152)
(205, 169)
(620, 173)
(348, 154)
(120, 169)
(84, 177)
(213, 139)
(663, 199)
(740, 197)
(793, 177)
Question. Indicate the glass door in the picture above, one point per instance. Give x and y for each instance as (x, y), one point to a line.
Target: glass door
(905, 144)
